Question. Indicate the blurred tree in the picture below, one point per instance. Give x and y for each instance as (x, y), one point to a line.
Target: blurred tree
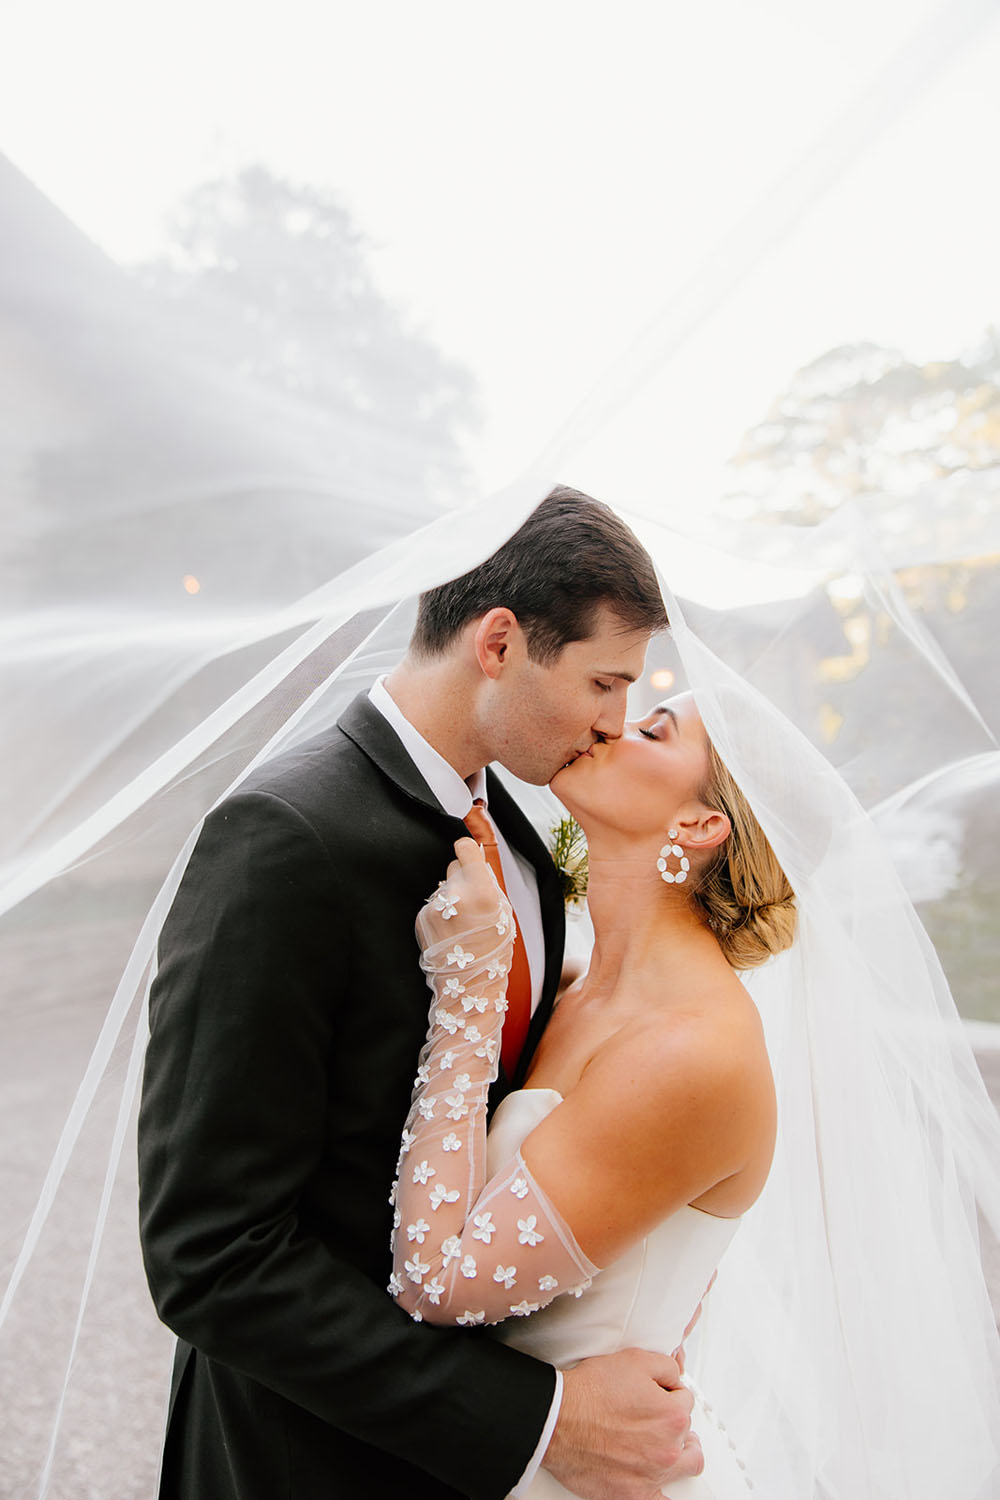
(918, 447)
(273, 276)
(865, 420)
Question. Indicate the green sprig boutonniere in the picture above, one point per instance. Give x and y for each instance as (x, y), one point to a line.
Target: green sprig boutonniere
(568, 848)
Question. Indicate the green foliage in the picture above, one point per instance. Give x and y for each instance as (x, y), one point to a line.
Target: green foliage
(568, 848)
(963, 928)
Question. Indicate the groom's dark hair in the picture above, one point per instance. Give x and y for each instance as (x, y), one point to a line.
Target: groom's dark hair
(571, 555)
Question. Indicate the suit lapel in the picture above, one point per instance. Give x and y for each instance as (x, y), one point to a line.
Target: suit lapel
(376, 738)
(373, 735)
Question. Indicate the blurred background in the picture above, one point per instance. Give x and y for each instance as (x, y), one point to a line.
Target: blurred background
(279, 287)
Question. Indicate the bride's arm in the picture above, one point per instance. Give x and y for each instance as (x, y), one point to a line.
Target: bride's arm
(660, 1116)
(467, 1250)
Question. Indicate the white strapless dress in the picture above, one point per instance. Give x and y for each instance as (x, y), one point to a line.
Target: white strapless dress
(644, 1300)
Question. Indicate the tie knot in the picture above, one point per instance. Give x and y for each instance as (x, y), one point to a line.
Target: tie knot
(479, 825)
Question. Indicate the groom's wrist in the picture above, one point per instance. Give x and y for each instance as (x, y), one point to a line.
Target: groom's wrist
(535, 1462)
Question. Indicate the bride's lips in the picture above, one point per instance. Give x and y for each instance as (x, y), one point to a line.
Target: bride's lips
(578, 755)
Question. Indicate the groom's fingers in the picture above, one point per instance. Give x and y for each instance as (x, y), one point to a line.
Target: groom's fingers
(666, 1371)
(624, 1428)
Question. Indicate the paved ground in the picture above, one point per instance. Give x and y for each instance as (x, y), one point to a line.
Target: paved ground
(54, 992)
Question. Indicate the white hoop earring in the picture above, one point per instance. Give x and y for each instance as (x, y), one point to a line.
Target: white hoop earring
(673, 877)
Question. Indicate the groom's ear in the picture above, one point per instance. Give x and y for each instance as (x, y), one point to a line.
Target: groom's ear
(495, 639)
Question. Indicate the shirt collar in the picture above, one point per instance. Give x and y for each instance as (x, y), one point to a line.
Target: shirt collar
(455, 795)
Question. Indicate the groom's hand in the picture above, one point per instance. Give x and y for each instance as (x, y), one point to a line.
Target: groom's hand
(624, 1428)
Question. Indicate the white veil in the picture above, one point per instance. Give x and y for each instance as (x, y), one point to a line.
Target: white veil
(176, 610)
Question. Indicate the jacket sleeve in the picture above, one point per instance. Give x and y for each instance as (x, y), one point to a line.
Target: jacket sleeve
(232, 1127)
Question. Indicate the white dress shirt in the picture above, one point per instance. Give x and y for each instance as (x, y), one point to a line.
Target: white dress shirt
(456, 797)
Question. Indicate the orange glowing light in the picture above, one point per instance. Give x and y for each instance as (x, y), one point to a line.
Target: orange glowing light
(664, 678)
(191, 584)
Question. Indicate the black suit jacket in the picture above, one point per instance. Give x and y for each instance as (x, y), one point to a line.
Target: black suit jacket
(286, 1018)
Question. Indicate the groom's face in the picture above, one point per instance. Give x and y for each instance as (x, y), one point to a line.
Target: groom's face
(548, 713)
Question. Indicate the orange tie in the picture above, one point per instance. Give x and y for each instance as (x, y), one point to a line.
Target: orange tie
(515, 1022)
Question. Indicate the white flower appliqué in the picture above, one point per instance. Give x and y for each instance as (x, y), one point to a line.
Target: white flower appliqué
(458, 1106)
(473, 1034)
(447, 1020)
(459, 957)
(453, 988)
(547, 1283)
(441, 1194)
(463, 1082)
(519, 1187)
(434, 1289)
(396, 1284)
(451, 1249)
(406, 1142)
(529, 1235)
(505, 1275)
(426, 1106)
(468, 1267)
(416, 1269)
(451, 1142)
(485, 1228)
(448, 1061)
(522, 1309)
(423, 1075)
(446, 904)
(423, 1172)
(418, 1231)
(487, 1050)
(470, 1319)
(496, 970)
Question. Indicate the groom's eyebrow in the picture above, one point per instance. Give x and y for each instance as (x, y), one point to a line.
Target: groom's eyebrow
(614, 672)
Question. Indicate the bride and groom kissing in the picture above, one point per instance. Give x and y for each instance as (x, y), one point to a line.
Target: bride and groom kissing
(631, 1124)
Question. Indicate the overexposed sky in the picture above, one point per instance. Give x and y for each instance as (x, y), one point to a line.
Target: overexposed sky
(538, 179)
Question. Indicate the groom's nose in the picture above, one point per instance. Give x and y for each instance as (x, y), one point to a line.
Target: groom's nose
(610, 722)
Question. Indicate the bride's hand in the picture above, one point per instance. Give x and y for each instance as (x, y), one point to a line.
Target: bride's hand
(468, 899)
(471, 882)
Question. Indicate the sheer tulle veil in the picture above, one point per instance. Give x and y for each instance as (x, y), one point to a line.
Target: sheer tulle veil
(849, 1341)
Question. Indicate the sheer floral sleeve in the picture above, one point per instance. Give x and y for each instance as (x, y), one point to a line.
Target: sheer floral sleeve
(467, 1250)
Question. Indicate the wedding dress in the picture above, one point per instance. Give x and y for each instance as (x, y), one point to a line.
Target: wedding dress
(644, 1300)
(476, 1238)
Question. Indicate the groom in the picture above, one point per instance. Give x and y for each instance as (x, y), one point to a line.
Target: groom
(286, 1019)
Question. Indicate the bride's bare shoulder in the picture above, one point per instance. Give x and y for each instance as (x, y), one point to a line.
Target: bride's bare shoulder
(675, 1107)
(707, 1028)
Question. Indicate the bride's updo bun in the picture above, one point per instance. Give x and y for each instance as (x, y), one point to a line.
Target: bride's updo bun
(744, 892)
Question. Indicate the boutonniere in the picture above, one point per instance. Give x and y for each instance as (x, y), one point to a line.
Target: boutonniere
(568, 848)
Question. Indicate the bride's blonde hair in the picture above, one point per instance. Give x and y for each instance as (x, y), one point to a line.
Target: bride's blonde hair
(743, 890)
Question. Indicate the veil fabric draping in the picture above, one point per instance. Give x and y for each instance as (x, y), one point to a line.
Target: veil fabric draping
(201, 571)
(851, 1317)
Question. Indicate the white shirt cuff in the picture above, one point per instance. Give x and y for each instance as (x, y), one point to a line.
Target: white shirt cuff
(535, 1461)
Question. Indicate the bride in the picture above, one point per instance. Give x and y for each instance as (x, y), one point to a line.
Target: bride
(612, 1184)
(646, 1126)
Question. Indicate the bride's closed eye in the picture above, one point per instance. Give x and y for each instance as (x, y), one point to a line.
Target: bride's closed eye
(648, 734)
